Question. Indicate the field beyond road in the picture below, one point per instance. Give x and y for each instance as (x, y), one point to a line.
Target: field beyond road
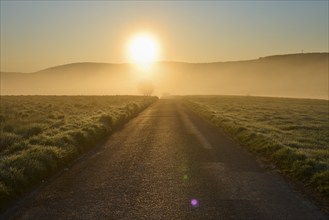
(167, 163)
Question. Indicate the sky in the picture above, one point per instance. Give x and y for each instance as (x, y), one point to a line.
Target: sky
(40, 34)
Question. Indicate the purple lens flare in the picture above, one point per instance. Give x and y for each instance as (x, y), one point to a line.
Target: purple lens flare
(194, 203)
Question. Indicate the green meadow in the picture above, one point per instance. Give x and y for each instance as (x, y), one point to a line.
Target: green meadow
(291, 133)
(42, 134)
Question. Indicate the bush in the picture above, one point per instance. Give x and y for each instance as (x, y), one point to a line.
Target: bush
(8, 128)
(2, 119)
(8, 139)
(30, 130)
(106, 120)
(320, 181)
(302, 170)
(4, 193)
(285, 157)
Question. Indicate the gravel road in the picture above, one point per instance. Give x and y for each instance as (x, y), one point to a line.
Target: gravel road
(167, 163)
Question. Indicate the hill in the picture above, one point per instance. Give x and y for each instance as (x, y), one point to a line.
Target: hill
(292, 75)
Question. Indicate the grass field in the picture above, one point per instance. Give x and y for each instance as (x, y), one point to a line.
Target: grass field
(292, 133)
(40, 134)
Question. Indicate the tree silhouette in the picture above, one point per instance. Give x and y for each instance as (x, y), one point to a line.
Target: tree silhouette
(146, 87)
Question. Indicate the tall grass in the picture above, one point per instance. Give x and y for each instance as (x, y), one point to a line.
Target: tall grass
(40, 134)
(292, 133)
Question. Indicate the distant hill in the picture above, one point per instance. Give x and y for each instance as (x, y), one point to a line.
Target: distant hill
(293, 75)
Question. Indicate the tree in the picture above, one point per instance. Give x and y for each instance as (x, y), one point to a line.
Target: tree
(146, 87)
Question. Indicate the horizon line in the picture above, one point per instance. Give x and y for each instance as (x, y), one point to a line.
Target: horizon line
(165, 61)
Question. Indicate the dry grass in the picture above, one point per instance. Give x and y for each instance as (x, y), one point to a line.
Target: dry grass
(293, 133)
(40, 134)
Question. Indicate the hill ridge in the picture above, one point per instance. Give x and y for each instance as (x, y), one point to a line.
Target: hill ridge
(295, 55)
(293, 75)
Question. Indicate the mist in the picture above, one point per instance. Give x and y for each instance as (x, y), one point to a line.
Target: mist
(296, 75)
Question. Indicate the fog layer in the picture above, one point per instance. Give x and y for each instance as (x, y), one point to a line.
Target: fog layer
(297, 75)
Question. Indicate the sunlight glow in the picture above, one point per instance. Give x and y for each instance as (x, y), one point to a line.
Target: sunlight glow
(142, 49)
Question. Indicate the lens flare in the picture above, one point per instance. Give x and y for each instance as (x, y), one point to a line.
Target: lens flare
(194, 203)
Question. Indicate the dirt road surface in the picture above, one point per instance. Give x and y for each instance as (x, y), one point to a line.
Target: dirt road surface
(167, 163)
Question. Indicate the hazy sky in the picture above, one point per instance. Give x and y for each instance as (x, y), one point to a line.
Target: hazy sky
(37, 35)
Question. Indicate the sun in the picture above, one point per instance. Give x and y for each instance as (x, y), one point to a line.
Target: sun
(142, 48)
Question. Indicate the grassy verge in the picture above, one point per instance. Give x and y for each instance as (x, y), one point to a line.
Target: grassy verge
(40, 134)
(292, 133)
